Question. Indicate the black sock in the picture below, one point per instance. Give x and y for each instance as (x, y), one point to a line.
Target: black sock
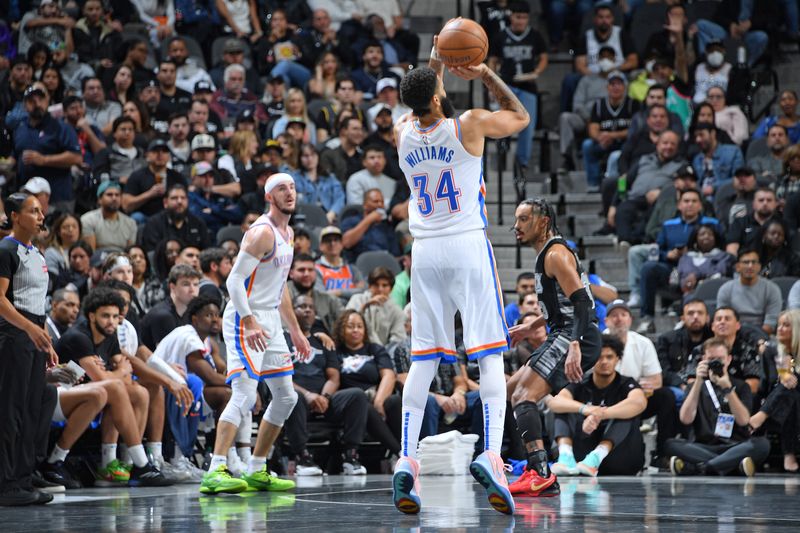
(529, 422)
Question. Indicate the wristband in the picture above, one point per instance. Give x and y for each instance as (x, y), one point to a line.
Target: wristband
(326, 396)
(580, 411)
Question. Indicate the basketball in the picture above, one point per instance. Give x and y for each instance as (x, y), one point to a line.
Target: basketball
(462, 43)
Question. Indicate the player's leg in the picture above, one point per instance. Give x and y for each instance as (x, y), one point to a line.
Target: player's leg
(79, 406)
(284, 398)
(154, 428)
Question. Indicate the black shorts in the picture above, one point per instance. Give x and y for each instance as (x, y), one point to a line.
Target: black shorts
(548, 359)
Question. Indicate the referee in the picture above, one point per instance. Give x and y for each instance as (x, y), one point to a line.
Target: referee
(26, 402)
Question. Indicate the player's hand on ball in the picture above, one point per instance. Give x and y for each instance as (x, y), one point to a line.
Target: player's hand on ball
(572, 366)
(469, 73)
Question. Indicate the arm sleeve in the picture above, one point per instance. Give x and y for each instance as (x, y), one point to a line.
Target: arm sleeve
(584, 311)
(242, 269)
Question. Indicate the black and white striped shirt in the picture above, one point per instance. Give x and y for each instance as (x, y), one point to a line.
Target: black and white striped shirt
(26, 269)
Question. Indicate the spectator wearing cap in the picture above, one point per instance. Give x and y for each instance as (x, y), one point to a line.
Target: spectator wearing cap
(150, 96)
(45, 23)
(371, 177)
(274, 96)
(383, 136)
(204, 149)
(13, 85)
(336, 276)
(245, 121)
(214, 209)
(646, 179)
(315, 186)
(188, 74)
(173, 99)
(640, 362)
(91, 139)
(369, 231)
(99, 111)
(388, 96)
(46, 147)
(233, 98)
(123, 157)
(233, 53)
(716, 162)
(373, 68)
(96, 41)
(142, 195)
(106, 226)
(178, 143)
(200, 119)
(735, 199)
(713, 71)
(608, 126)
(769, 167)
(40, 188)
(174, 221)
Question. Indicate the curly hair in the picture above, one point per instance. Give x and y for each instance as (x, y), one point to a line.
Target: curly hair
(417, 88)
(102, 297)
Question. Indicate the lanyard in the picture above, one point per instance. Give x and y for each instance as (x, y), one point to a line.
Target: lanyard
(713, 396)
(56, 333)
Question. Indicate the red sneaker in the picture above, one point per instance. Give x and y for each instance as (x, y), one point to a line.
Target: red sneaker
(530, 483)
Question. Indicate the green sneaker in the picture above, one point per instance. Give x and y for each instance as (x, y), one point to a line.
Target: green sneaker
(263, 480)
(114, 473)
(221, 480)
(565, 466)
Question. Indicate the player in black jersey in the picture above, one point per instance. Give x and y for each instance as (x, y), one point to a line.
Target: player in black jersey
(573, 342)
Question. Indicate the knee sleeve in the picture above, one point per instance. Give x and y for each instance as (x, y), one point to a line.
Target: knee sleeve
(283, 401)
(528, 421)
(243, 399)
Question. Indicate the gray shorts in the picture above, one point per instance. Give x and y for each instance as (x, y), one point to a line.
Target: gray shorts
(548, 359)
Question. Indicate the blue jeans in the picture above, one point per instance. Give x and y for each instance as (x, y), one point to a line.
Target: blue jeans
(525, 137)
(294, 74)
(139, 217)
(754, 41)
(655, 274)
(637, 256)
(568, 86)
(792, 16)
(592, 154)
(472, 414)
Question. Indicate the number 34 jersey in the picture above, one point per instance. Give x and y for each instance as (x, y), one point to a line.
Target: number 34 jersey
(447, 190)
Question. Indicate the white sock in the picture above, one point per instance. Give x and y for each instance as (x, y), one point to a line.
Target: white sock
(565, 450)
(245, 453)
(216, 461)
(232, 455)
(255, 464)
(138, 456)
(493, 396)
(108, 452)
(601, 451)
(57, 455)
(415, 396)
(155, 450)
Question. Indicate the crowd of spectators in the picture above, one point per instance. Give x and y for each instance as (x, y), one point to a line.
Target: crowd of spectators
(147, 134)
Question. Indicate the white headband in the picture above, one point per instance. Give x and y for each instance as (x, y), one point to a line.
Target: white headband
(120, 262)
(275, 180)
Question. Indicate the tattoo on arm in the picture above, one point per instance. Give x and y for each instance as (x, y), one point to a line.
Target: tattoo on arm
(502, 93)
(436, 64)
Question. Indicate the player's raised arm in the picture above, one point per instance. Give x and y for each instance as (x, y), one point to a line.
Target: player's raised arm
(434, 62)
(508, 120)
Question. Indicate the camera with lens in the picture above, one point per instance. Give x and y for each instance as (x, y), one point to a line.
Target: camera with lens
(715, 366)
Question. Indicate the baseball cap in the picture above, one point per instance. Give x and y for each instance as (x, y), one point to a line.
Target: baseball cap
(382, 108)
(296, 120)
(245, 116)
(383, 83)
(232, 46)
(32, 90)
(203, 141)
(619, 303)
(151, 82)
(201, 168)
(37, 185)
(272, 144)
(157, 144)
(107, 185)
(686, 171)
(98, 258)
(329, 230)
(617, 75)
(203, 86)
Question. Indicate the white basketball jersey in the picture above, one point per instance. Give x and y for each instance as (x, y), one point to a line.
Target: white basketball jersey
(265, 285)
(446, 182)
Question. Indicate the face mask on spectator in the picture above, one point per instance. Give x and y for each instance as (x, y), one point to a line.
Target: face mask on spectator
(715, 59)
(605, 65)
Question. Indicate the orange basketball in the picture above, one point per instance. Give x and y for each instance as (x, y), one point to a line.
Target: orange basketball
(462, 43)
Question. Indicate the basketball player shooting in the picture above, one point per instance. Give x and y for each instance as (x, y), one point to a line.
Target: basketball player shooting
(257, 350)
(454, 266)
(572, 345)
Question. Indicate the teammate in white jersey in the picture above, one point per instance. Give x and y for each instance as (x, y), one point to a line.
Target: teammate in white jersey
(454, 267)
(256, 346)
